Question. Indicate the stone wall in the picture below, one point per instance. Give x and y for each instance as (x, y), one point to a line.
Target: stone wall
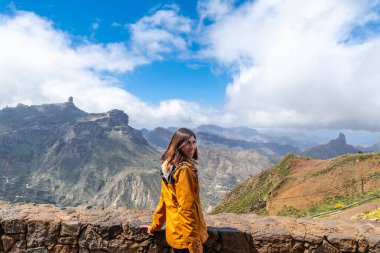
(46, 228)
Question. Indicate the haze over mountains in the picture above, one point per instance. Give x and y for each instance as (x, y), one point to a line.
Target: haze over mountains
(57, 153)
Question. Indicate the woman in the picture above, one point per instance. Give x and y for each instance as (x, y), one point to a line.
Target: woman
(179, 204)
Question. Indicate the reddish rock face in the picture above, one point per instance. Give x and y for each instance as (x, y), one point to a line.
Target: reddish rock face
(46, 228)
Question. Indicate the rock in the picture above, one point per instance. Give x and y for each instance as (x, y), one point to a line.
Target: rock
(362, 246)
(118, 118)
(108, 231)
(374, 243)
(67, 240)
(42, 233)
(20, 244)
(70, 228)
(326, 247)
(16, 226)
(119, 244)
(37, 250)
(117, 230)
(213, 236)
(89, 239)
(8, 242)
(64, 249)
(136, 234)
(229, 237)
(298, 247)
(343, 242)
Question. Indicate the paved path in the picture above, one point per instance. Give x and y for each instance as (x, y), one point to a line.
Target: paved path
(355, 210)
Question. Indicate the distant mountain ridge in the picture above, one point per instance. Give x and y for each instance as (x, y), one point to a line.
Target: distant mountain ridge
(212, 136)
(56, 153)
(332, 149)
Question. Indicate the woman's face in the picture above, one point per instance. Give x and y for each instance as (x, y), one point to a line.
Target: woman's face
(189, 149)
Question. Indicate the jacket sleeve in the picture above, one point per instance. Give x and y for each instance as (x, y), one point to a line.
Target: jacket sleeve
(159, 216)
(187, 209)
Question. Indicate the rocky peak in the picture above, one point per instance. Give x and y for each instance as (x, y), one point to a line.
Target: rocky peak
(334, 148)
(33, 115)
(118, 118)
(340, 141)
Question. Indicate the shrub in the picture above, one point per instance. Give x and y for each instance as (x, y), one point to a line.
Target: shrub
(291, 211)
(339, 206)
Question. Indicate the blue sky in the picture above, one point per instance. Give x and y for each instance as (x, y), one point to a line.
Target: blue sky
(261, 64)
(105, 21)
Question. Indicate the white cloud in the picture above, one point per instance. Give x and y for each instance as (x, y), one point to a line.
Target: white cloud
(40, 64)
(291, 66)
(214, 9)
(161, 33)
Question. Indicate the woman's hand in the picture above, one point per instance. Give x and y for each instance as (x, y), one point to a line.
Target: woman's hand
(147, 229)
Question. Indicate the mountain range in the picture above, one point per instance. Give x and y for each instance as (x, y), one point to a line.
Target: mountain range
(57, 153)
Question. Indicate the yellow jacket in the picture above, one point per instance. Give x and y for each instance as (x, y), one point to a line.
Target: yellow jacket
(180, 207)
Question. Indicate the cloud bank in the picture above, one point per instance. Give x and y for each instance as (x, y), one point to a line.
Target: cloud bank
(315, 68)
(303, 69)
(40, 64)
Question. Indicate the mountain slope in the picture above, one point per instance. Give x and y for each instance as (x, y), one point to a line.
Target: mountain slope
(304, 185)
(158, 137)
(57, 153)
(220, 170)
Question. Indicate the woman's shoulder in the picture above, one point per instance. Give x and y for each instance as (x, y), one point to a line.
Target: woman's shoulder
(186, 164)
(186, 168)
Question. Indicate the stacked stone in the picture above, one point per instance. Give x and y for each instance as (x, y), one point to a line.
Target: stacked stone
(45, 228)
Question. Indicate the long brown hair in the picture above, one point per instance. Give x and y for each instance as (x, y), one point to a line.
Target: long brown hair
(173, 154)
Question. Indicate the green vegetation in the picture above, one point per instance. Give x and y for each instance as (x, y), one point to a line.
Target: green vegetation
(251, 195)
(344, 160)
(339, 206)
(291, 211)
(368, 215)
(329, 204)
(376, 175)
(334, 203)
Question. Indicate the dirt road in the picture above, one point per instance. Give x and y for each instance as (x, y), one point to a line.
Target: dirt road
(356, 210)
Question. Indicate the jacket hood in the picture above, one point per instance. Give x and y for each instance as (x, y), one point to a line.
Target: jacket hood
(166, 170)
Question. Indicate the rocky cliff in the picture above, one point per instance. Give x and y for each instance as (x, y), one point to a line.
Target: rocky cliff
(45, 228)
(56, 153)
